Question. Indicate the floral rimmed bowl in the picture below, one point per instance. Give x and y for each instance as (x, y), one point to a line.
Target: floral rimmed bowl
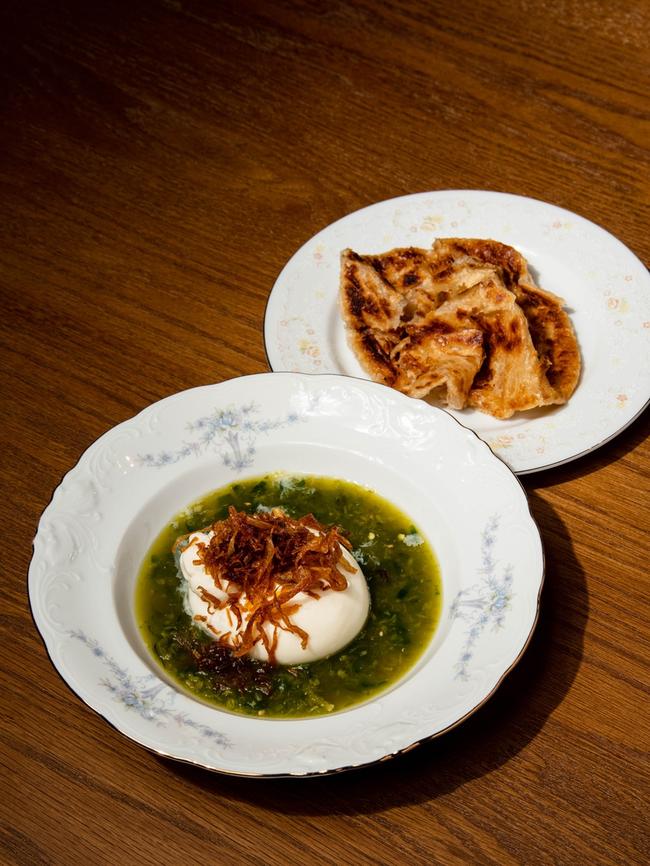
(109, 508)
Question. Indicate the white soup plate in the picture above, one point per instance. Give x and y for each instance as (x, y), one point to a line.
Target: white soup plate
(109, 508)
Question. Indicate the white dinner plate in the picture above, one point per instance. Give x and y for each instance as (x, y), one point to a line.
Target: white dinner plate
(605, 287)
(103, 517)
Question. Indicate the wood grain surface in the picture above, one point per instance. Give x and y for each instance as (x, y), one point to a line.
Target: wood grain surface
(156, 155)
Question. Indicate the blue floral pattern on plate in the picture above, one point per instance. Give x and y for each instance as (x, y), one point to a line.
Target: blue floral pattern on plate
(91, 531)
(485, 603)
(148, 696)
(232, 432)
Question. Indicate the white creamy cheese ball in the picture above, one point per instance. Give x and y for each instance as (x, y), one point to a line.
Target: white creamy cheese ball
(331, 619)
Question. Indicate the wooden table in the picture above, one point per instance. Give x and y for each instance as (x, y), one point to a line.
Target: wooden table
(159, 153)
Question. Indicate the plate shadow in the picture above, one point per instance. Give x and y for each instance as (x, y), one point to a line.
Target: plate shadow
(504, 726)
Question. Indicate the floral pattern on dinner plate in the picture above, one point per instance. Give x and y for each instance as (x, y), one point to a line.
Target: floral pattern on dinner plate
(485, 603)
(604, 285)
(303, 335)
(148, 696)
(232, 432)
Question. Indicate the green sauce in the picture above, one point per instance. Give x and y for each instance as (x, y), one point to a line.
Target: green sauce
(400, 568)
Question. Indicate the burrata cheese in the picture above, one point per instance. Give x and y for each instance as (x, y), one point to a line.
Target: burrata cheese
(331, 618)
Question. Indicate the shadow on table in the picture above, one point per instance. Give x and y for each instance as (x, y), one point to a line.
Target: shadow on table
(488, 739)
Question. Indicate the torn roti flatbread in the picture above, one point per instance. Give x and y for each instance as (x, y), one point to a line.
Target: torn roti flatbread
(463, 321)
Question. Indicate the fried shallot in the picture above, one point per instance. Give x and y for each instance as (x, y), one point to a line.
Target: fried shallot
(263, 561)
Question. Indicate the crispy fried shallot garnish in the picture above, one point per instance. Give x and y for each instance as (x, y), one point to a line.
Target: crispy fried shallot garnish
(264, 561)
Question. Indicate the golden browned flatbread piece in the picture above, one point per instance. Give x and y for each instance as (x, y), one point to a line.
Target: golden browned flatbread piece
(548, 323)
(553, 337)
(464, 320)
(434, 355)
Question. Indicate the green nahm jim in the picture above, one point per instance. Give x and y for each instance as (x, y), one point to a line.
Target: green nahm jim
(403, 580)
